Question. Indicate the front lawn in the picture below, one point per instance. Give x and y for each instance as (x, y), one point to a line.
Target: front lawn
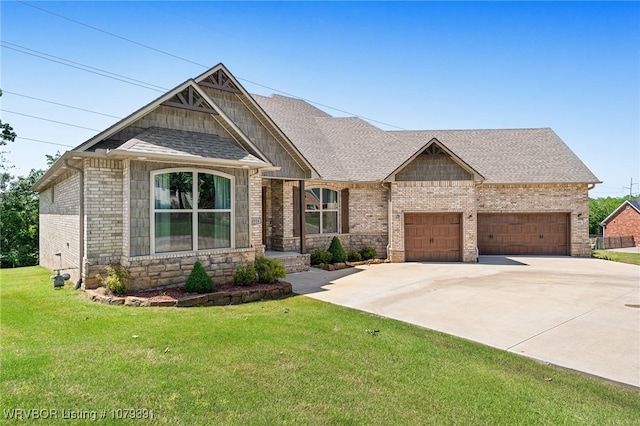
(616, 256)
(291, 361)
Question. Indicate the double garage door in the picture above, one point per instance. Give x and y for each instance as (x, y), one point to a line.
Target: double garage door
(437, 237)
(524, 233)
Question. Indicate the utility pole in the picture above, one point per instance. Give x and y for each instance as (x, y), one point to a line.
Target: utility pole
(630, 188)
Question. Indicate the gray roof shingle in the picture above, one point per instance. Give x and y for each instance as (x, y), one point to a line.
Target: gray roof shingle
(180, 143)
(351, 149)
(510, 155)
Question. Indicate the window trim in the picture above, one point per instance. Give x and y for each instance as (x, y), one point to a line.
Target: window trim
(321, 210)
(194, 211)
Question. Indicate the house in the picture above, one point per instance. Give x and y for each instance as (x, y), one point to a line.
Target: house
(208, 172)
(623, 221)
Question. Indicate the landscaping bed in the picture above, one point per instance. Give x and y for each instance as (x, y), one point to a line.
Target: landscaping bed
(178, 297)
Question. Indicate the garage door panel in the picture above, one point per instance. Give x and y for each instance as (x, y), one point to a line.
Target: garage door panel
(432, 237)
(524, 233)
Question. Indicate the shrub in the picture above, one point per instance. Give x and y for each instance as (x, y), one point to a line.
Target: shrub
(368, 253)
(245, 275)
(337, 252)
(116, 280)
(320, 256)
(199, 281)
(354, 256)
(269, 270)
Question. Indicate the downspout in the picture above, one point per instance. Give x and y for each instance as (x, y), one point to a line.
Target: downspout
(80, 220)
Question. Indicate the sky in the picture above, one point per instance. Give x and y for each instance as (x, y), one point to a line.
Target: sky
(571, 66)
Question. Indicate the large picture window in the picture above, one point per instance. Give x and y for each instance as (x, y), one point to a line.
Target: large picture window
(191, 210)
(321, 211)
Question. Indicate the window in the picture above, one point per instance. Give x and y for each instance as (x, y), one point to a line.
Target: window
(321, 211)
(191, 210)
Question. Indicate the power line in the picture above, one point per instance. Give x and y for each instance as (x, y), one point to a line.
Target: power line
(80, 66)
(164, 52)
(57, 103)
(52, 121)
(41, 141)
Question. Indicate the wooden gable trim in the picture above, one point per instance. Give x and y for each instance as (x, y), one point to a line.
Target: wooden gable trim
(190, 99)
(259, 113)
(439, 150)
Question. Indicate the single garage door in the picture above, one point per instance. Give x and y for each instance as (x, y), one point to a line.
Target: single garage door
(434, 237)
(524, 233)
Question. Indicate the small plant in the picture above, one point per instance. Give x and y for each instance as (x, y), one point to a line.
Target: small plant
(368, 253)
(354, 256)
(320, 256)
(245, 275)
(269, 270)
(199, 281)
(337, 251)
(116, 280)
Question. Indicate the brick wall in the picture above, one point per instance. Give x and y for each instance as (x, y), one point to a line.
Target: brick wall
(572, 199)
(626, 222)
(60, 225)
(435, 197)
(103, 189)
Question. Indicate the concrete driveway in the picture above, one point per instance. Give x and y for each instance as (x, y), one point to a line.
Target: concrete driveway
(578, 313)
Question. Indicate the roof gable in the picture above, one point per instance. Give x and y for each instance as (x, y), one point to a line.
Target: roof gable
(510, 155)
(635, 204)
(430, 163)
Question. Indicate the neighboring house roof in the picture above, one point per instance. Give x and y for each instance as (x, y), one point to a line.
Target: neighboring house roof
(351, 149)
(635, 204)
(180, 145)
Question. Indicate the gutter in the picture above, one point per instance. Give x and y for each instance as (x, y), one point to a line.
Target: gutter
(80, 220)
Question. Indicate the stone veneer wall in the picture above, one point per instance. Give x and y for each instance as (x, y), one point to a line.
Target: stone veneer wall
(60, 225)
(150, 272)
(541, 198)
(434, 197)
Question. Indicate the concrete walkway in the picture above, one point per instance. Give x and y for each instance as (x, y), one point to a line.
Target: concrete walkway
(578, 313)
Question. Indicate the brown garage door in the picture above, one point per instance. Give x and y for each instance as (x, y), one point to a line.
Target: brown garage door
(432, 237)
(523, 233)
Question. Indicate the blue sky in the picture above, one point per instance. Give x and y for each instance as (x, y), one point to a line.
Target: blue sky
(571, 66)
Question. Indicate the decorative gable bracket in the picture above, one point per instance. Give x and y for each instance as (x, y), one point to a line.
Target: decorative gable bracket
(190, 99)
(219, 80)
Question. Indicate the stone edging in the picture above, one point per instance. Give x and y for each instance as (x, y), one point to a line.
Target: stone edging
(337, 266)
(219, 298)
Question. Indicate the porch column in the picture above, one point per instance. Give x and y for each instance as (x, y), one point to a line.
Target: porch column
(301, 192)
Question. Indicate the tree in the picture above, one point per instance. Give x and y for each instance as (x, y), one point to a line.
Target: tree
(19, 220)
(7, 134)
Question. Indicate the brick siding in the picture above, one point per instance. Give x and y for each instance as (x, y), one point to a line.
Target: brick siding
(543, 198)
(626, 222)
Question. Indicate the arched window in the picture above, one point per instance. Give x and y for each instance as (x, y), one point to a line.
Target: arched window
(191, 210)
(321, 211)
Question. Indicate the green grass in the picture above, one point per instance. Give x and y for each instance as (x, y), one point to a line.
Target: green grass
(292, 361)
(632, 258)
